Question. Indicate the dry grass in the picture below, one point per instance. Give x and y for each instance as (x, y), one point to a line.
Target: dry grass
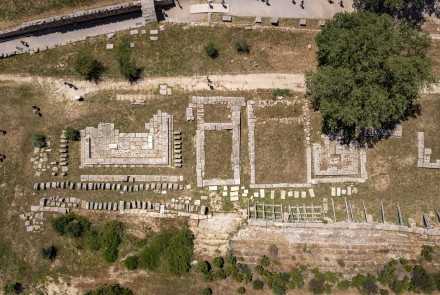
(280, 150)
(180, 51)
(14, 12)
(218, 151)
(217, 113)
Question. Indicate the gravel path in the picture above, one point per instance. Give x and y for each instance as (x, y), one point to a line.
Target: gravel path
(295, 82)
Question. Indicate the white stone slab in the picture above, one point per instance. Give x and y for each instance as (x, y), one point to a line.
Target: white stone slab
(213, 188)
(303, 195)
(311, 193)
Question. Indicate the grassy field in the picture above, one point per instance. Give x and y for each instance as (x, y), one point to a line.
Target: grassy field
(180, 51)
(218, 150)
(279, 144)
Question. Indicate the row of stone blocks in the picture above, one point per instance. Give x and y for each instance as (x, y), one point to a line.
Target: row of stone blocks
(107, 186)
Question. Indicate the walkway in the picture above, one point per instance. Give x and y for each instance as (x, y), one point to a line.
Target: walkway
(60, 91)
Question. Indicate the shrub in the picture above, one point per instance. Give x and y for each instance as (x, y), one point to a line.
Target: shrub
(211, 50)
(126, 66)
(281, 92)
(131, 262)
(49, 253)
(218, 262)
(242, 47)
(427, 252)
(170, 251)
(71, 225)
(111, 290)
(241, 290)
(203, 267)
(92, 240)
(257, 285)
(341, 262)
(110, 240)
(344, 285)
(316, 286)
(13, 288)
(238, 278)
(398, 287)
(264, 261)
(248, 278)
(207, 291)
(89, 67)
(209, 277)
(421, 280)
(220, 274)
(231, 259)
(38, 140)
(72, 134)
(297, 278)
(384, 292)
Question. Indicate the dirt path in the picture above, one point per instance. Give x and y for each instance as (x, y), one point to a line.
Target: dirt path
(60, 91)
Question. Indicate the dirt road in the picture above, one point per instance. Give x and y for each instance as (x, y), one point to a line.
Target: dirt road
(60, 91)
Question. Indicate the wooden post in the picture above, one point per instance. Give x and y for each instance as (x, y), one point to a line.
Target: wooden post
(365, 211)
(383, 213)
(334, 212)
(346, 210)
(399, 214)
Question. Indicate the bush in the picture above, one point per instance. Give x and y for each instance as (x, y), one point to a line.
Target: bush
(211, 50)
(38, 140)
(384, 292)
(258, 285)
(238, 278)
(111, 290)
(126, 66)
(231, 259)
(209, 277)
(49, 253)
(13, 288)
(281, 92)
(242, 47)
(92, 240)
(427, 252)
(72, 134)
(241, 290)
(248, 278)
(297, 278)
(71, 225)
(422, 281)
(218, 262)
(264, 261)
(131, 262)
(110, 240)
(203, 267)
(207, 291)
(89, 67)
(170, 251)
(316, 286)
(344, 285)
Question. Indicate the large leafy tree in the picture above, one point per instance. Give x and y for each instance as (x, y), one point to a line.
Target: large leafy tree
(409, 11)
(370, 71)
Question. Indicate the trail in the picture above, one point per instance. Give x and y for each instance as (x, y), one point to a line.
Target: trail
(60, 91)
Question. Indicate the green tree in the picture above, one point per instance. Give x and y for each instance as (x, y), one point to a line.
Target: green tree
(211, 50)
(131, 262)
(89, 67)
(13, 288)
(242, 47)
(264, 261)
(258, 285)
(218, 262)
(71, 225)
(38, 140)
(207, 291)
(370, 71)
(203, 267)
(421, 280)
(72, 134)
(427, 252)
(127, 66)
(49, 253)
(409, 11)
(241, 290)
(111, 290)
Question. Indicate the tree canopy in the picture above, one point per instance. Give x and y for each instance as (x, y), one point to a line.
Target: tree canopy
(370, 71)
(408, 11)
